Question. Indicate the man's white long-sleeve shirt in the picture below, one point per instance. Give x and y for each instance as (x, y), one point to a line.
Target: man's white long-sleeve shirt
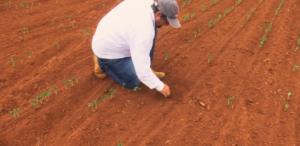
(128, 31)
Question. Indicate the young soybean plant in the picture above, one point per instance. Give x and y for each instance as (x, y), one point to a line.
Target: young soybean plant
(295, 67)
(57, 46)
(296, 48)
(104, 5)
(289, 95)
(12, 61)
(64, 28)
(52, 21)
(203, 8)
(242, 24)
(167, 55)
(73, 25)
(123, 85)
(72, 82)
(209, 58)
(70, 17)
(193, 14)
(103, 97)
(196, 33)
(54, 88)
(111, 92)
(137, 88)
(248, 16)
(286, 107)
(15, 113)
(230, 99)
(65, 83)
(34, 103)
(77, 80)
(92, 106)
(21, 58)
(86, 32)
(29, 55)
(298, 41)
(120, 144)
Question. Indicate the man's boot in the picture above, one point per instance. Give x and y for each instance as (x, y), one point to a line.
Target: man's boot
(160, 75)
(97, 70)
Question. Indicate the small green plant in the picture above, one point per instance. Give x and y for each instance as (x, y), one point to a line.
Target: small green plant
(199, 31)
(39, 98)
(52, 21)
(279, 6)
(193, 14)
(286, 107)
(12, 61)
(54, 88)
(263, 39)
(93, 105)
(70, 17)
(220, 16)
(104, 5)
(248, 16)
(296, 48)
(230, 99)
(295, 67)
(167, 55)
(57, 46)
(86, 32)
(77, 80)
(25, 30)
(64, 28)
(22, 4)
(242, 24)
(186, 17)
(28, 54)
(203, 8)
(253, 9)
(34, 103)
(15, 113)
(103, 97)
(195, 33)
(298, 41)
(289, 95)
(209, 58)
(211, 23)
(21, 58)
(226, 11)
(123, 85)
(137, 88)
(72, 82)
(48, 94)
(73, 25)
(111, 92)
(65, 83)
(120, 144)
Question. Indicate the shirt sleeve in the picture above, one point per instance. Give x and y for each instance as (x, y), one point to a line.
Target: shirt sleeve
(140, 41)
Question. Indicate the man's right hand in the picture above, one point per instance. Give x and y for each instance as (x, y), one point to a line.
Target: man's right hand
(166, 91)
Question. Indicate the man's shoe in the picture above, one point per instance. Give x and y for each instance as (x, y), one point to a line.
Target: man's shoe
(97, 70)
(160, 75)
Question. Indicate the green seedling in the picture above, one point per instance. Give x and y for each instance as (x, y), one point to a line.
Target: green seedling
(57, 46)
(123, 85)
(295, 67)
(29, 55)
(286, 107)
(220, 16)
(137, 88)
(120, 144)
(253, 9)
(25, 30)
(21, 58)
(199, 31)
(262, 41)
(211, 23)
(185, 17)
(103, 97)
(22, 4)
(209, 58)
(196, 33)
(296, 48)
(277, 10)
(34, 103)
(54, 88)
(230, 99)
(95, 103)
(73, 25)
(48, 93)
(298, 41)
(86, 32)
(238, 2)
(64, 28)
(12, 61)
(39, 98)
(45, 95)
(72, 82)
(15, 113)
(111, 92)
(203, 8)
(289, 95)
(167, 55)
(70, 17)
(92, 106)
(65, 83)
(248, 16)
(193, 14)
(52, 21)
(104, 5)
(226, 11)
(242, 24)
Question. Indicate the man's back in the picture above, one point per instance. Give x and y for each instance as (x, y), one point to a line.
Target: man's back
(111, 39)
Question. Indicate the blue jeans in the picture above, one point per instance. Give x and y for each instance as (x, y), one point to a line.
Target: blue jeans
(122, 70)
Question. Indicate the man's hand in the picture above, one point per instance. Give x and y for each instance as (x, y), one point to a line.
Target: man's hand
(166, 91)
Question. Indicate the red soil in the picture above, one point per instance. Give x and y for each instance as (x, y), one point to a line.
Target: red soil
(259, 79)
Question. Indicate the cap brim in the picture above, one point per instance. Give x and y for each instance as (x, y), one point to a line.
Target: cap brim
(174, 23)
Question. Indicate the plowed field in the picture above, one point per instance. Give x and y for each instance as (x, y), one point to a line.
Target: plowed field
(259, 78)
